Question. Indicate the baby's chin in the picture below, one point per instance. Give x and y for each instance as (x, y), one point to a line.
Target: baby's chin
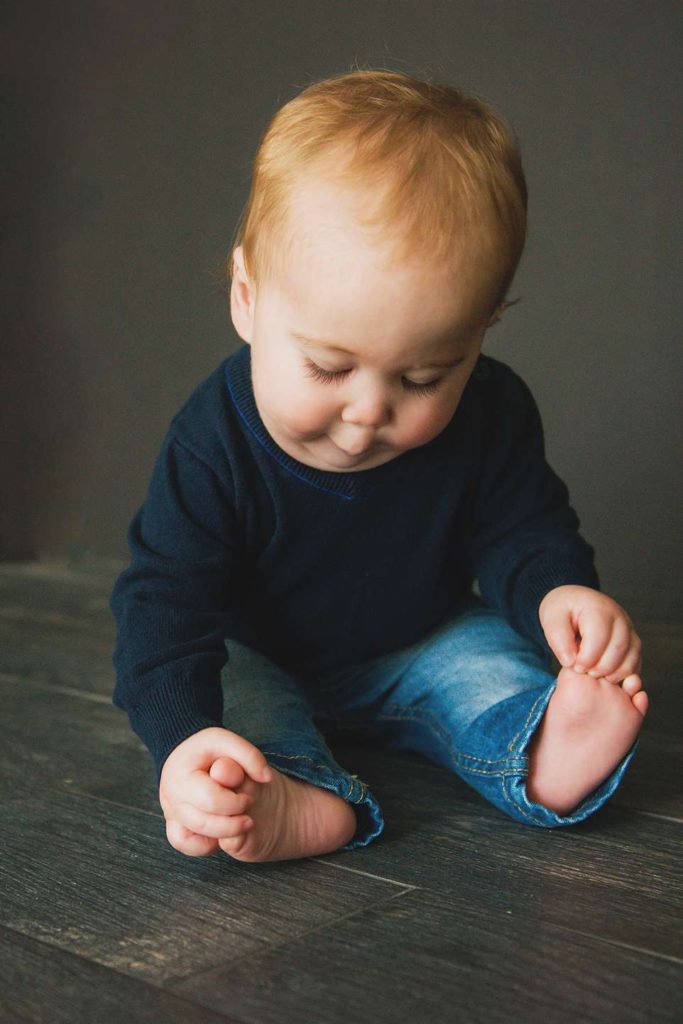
(325, 455)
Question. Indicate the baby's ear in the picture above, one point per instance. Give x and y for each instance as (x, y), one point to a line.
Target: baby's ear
(496, 315)
(498, 312)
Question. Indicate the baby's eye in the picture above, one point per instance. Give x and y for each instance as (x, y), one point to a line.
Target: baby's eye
(330, 376)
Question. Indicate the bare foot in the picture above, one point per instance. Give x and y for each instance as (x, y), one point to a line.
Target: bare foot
(291, 818)
(588, 726)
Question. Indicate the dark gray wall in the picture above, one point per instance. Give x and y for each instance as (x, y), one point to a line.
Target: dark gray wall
(131, 130)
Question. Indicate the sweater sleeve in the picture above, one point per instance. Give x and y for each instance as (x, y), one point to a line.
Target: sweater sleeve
(171, 602)
(525, 539)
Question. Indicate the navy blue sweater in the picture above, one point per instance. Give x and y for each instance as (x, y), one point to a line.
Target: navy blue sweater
(236, 539)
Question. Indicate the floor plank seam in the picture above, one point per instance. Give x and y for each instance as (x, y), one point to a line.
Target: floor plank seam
(367, 874)
(46, 687)
(589, 935)
(162, 989)
(650, 814)
(622, 945)
(100, 570)
(82, 622)
(273, 947)
(68, 789)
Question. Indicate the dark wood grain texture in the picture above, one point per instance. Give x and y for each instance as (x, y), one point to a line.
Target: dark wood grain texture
(42, 983)
(456, 912)
(63, 746)
(109, 887)
(430, 956)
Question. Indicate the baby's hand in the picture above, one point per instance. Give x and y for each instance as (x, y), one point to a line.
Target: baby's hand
(199, 810)
(609, 644)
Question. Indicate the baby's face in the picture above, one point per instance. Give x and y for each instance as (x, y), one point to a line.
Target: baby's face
(354, 362)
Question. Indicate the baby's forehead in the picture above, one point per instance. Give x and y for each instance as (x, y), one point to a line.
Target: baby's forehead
(319, 254)
(328, 245)
(329, 259)
(353, 289)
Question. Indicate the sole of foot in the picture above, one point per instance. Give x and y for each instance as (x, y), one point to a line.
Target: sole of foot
(289, 818)
(588, 726)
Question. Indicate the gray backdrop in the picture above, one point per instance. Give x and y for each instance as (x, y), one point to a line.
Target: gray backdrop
(130, 130)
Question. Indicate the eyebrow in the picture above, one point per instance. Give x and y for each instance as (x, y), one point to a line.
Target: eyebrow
(323, 343)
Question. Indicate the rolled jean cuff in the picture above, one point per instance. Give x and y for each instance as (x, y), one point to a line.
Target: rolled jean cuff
(514, 784)
(331, 776)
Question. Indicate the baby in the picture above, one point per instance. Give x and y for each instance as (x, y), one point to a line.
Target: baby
(324, 501)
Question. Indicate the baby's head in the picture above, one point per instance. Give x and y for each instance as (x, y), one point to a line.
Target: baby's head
(386, 217)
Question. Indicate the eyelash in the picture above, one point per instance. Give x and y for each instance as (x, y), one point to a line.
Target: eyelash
(330, 377)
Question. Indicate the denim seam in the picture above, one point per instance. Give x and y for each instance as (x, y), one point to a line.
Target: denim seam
(322, 767)
(572, 816)
(501, 772)
(528, 719)
(518, 808)
(458, 757)
(506, 795)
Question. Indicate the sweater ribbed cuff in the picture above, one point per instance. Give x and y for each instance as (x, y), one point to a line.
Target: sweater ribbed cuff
(538, 578)
(173, 711)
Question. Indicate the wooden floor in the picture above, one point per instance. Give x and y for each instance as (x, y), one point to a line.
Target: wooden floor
(455, 914)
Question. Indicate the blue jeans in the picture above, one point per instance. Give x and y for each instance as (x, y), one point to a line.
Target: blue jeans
(468, 696)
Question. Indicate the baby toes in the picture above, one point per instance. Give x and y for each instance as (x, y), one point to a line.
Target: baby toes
(632, 684)
(641, 701)
(234, 844)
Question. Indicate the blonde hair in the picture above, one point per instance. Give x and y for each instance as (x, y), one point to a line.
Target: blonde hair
(440, 164)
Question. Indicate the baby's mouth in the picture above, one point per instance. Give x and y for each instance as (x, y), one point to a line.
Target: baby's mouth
(354, 455)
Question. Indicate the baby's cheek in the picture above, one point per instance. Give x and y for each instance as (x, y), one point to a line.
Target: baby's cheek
(304, 415)
(426, 424)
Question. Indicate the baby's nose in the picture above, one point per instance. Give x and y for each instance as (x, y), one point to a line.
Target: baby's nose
(368, 411)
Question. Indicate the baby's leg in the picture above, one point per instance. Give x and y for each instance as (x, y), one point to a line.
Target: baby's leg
(472, 697)
(311, 806)
(588, 726)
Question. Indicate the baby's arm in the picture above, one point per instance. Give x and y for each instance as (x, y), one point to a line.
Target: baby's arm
(172, 603)
(524, 539)
(198, 810)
